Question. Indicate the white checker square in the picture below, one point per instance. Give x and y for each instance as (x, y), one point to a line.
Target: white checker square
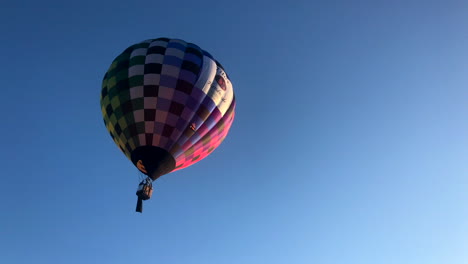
(151, 79)
(166, 92)
(161, 116)
(149, 127)
(175, 52)
(154, 58)
(138, 52)
(160, 43)
(136, 92)
(139, 115)
(136, 70)
(170, 70)
(150, 102)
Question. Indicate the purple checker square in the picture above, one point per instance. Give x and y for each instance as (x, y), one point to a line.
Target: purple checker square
(172, 60)
(172, 119)
(181, 124)
(181, 139)
(189, 142)
(179, 154)
(163, 104)
(210, 122)
(215, 115)
(187, 114)
(197, 94)
(158, 128)
(197, 120)
(209, 104)
(187, 76)
(170, 143)
(193, 58)
(213, 119)
(179, 97)
(192, 103)
(166, 142)
(200, 133)
(162, 141)
(168, 81)
(177, 132)
(195, 99)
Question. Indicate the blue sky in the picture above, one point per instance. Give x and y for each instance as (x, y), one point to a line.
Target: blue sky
(349, 144)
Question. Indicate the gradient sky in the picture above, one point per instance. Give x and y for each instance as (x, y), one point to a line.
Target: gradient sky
(349, 144)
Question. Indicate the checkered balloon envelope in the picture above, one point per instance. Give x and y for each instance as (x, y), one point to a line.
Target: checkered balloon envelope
(167, 104)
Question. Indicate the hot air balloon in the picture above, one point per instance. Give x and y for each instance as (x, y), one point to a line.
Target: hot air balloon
(167, 104)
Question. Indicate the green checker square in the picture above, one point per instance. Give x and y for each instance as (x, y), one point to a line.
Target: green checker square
(137, 60)
(113, 120)
(121, 62)
(124, 56)
(105, 101)
(104, 84)
(126, 132)
(136, 140)
(116, 140)
(106, 120)
(130, 118)
(122, 75)
(121, 146)
(111, 82)
(138, 103)
(118, 113)
(140, 45)
(113, 93)
(137, 80)
(115, 102)
(124, 96)
(140, 126)
(122, 139)
(131, 143)
(113, 65)
(123, 123)
(104, 112)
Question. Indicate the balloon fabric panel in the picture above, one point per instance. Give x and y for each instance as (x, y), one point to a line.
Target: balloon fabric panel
(170, 94)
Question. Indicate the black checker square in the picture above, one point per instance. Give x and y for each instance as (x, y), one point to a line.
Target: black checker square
(176, 108)
(150, 114)
(150, 90)
(167, 131)
(149, 138)
(153, 68)
(184, 86)
(190, 66)
(156, 50)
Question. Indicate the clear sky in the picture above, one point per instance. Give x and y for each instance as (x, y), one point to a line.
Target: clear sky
(350, 143)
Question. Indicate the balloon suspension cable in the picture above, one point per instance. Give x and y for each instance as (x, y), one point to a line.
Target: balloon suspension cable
(144, 192)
